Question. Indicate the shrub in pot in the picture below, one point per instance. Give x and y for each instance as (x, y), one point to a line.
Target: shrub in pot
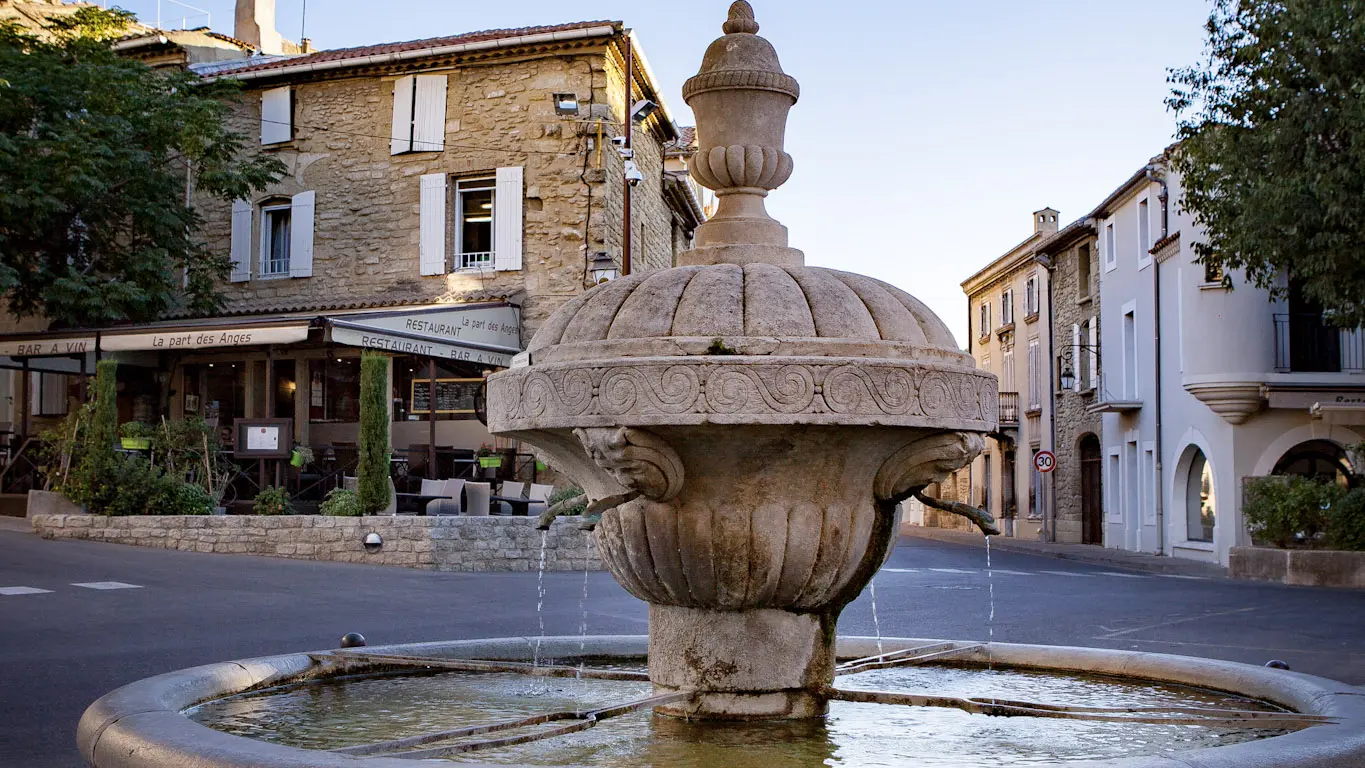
(273, 501)
(341, 502)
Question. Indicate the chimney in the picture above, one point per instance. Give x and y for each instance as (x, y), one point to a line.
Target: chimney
(1045, 221)
(255, 24)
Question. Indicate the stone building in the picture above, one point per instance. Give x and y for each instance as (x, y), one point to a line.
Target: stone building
(442, 198)
(1073, 268)
(1009, 336)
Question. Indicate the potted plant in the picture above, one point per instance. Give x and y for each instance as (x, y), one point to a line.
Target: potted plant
(273, 501)
(135, 436)
(301, 456)
(489, 461)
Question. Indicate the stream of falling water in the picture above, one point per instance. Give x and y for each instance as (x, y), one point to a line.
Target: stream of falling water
(583, 622)
(990, 619)
(876, 625)
(540, 598)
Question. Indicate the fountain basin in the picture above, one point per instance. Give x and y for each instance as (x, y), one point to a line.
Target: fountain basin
(144, 724)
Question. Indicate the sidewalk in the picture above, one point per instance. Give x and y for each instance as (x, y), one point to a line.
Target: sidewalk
(20, 524)
(1083, 553)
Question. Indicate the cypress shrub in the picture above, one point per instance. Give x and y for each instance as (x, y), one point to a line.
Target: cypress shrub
(373, 472)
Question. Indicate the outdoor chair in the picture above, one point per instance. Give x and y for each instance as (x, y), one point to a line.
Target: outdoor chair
(540, 492)
(451, 489)
(476, 499)
(514, 490)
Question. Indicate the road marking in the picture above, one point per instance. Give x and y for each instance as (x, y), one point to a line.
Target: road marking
(901, 570)
(11, 591)
(1120, 575)
(1011, 573)
(950, 570)
(1068, 573)
(107, 585)
(1178, 576)
(1175, 621)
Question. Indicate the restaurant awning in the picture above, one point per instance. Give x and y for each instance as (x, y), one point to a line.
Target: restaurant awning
(486, 334)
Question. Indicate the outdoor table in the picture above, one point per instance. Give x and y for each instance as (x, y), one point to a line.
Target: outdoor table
(420, 499)
(520, 506)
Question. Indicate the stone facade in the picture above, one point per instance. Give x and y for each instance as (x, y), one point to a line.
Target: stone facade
(428, 543)
(1075, 311)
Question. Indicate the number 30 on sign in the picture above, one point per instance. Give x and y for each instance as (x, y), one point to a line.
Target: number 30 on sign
(1044, 461)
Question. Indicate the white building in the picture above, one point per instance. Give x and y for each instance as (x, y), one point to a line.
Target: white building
(1205, 380)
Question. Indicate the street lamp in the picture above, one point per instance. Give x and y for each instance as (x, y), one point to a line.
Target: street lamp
(603, 268)
(1067, 376)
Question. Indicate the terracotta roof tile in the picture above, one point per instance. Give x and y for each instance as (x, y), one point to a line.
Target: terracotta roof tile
(685, 144)
(340, 54)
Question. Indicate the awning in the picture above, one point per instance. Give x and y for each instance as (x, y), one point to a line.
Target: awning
(486, 334)
(231, 335)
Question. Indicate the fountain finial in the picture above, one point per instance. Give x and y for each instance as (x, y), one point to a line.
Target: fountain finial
(741, 98)
(741, 21)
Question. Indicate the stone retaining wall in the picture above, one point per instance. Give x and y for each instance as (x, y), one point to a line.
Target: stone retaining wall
(431, 543)
(1304, 567)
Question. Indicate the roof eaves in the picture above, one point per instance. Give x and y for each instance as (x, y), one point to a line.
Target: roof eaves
(1018, 253)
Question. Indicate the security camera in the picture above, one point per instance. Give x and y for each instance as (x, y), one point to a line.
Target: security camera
(633, 175)
(642, 110)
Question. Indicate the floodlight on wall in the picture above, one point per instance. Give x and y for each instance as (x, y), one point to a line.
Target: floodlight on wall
(602, 268)
(642, 110)
(566, 104)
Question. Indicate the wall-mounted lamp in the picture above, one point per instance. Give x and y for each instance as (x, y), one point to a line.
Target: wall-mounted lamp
(602, 268)
(566, 104)
(373, 542)
(642, 110)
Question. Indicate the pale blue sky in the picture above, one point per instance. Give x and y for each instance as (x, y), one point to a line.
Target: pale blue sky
(926, 132)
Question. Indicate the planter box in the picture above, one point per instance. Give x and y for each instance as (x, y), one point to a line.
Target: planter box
(51, 503)
(136, 443)
(1303, 567)
(490, 462)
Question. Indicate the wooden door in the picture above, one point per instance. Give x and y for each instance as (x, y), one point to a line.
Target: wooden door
(1092, 500)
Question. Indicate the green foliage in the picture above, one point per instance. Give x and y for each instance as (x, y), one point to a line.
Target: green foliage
(189, 448)
(373, 471)
(273, 501)
(60, 448)
(187, 499)
(1296, 510)
(569, 492)
(341, 502)
(1272, 152)
(95, 150)
(93, 478)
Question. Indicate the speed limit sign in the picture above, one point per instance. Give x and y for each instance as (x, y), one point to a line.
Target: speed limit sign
(1044, 461)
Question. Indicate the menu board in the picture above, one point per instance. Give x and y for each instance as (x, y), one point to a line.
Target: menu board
(452, 395)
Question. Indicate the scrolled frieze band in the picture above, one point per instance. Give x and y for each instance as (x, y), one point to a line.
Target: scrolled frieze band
(671, 391)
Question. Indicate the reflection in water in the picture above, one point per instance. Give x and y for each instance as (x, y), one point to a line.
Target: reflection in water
(337, 713)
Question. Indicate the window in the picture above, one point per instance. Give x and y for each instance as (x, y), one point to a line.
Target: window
(985, 323)
(1083, 272)
(1035, 478)
(1130, 355)
(1007, 307)
(48, 394)
(1131, 497)
(985, 364)
(474, 223)
(1149, 489)
(334, 390)
(1144, 226)
(1035, 378)
(419, 114)
(1213, 273)
(1110, 257)
(277, 115)
(1093, 354)
(986, 482)
(1111, 481)
(1031, 296)
(275, 240)
(1007, 372)
(1201, 505)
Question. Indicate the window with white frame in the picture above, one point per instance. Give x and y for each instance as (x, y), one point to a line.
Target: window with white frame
(48, 394)
(1110, 257)
(1035, 377)
(275, 239)
(474, 236)
(1083, 272)
(985, 364)
(277, 115)
(984, 324)
(1031, 295)
(419, 114)
(1007, 371)
(1007, 306)
(1144, 233)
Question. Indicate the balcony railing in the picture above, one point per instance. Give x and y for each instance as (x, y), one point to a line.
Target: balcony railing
(1009, 409)
(477, 260)
(1305, 343)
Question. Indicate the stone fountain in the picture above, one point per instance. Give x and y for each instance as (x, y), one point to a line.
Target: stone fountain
(757, 421)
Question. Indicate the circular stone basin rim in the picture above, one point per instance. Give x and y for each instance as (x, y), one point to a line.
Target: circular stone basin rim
(142, 724)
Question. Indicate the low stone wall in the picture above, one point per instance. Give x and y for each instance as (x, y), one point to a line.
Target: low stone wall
(431, 543)
(1304, 567)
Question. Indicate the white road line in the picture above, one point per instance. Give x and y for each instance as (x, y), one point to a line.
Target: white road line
(950, 570)
(901, 570)
(1011, 573)
(1175, 621)
(1068, 573)
(1120, 575)
(11, 591)
(107, 585)
(1179, 576)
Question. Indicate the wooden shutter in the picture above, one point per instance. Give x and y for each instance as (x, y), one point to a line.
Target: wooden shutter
(403, 89)
(432, 224)
(301, 235)
(240, 252)
(507, 205)
(277, 115)
(429, 119)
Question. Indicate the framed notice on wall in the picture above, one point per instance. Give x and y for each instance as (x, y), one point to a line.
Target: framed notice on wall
(452, 395)
(264, 438)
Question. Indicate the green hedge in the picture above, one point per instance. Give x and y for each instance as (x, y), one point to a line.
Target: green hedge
(1296, 511)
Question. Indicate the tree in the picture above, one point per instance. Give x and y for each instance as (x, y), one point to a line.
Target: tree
(96, 158)
(1272, 147)
(373, 471)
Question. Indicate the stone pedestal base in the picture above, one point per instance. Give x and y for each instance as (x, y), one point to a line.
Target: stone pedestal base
(763, 664)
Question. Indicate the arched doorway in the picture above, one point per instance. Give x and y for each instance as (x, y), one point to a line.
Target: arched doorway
(1201, 502)
(1321, 460)
(1092, 498)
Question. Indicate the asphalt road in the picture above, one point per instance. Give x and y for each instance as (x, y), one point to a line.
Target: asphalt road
(66, 646)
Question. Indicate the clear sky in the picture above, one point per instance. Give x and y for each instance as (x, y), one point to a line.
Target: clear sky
(927, 131)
